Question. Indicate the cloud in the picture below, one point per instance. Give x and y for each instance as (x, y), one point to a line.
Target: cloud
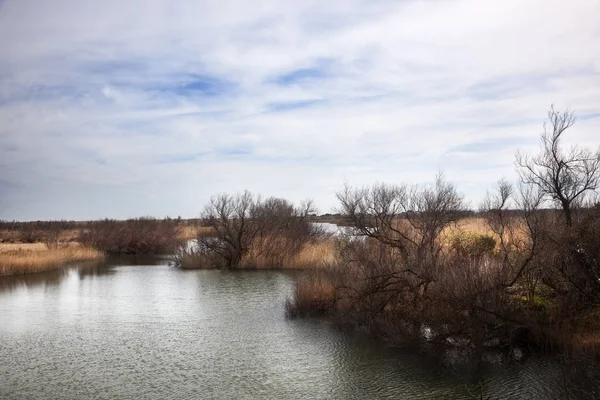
(112, 109)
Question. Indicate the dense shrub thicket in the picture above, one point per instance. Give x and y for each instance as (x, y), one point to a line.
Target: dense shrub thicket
(250, 231)
(532, 280)
(133, 236)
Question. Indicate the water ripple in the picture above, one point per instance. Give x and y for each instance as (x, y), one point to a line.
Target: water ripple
(154, 332)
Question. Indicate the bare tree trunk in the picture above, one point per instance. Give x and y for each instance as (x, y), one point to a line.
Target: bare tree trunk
(567, 212)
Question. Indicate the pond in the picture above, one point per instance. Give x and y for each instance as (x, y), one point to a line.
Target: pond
(152, 331)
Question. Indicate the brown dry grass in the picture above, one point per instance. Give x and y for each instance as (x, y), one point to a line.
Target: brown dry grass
(313, 255)
(479, 227)
(472, 225)
(313, 293)
(189, 232)
(26, 258)
(69, 235)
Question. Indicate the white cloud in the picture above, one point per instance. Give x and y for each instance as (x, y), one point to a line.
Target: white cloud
(96, 118)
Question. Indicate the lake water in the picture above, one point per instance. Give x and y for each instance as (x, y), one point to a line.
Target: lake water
(155, 332)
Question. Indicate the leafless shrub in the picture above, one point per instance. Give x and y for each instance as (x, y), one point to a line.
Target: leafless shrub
(283, 229)
(533, 280)
(197, 257)
(408, 220)
(134, 236)
(52, 239)
(30, 233)
(246, 229)
(388, 279)
(35, 231)
(230, 217)
(402, 278)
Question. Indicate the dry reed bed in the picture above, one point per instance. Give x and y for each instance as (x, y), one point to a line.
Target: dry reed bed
(322, 254)
(315, 292)
(27, 258)
(479, 226)
(316, 254)
(189, 232)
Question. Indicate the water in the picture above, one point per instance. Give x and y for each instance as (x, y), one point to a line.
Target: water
(336, 230)
(156, 332)
(330, 228)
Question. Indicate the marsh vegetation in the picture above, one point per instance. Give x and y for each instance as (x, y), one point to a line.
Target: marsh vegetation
(44, 245)
(36, 257)
(528, 279)
(415, 264)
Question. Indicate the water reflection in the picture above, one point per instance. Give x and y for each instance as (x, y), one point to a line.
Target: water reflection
(147, 330)
(48, 278)
(54, 277)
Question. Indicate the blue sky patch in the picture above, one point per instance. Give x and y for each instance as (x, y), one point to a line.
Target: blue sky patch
(203, 85)
(300, 75)
(321, 70)
(293, 105)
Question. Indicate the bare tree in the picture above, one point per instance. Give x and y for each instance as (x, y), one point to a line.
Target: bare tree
(409, 219)
(561, 175)
(248, 229)
(518, 233)
(401, 258)
(52, 239)
(283, 229)
(230, 217)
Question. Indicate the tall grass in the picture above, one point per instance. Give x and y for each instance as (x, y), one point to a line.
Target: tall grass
(22, 259)
(313, 254)
(314, 293)
(190, 232)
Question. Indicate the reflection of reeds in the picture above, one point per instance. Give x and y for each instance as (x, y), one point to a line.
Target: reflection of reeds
(46, 278)
(26, 258)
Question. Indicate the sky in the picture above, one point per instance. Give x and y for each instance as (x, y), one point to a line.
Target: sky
(148, 107)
